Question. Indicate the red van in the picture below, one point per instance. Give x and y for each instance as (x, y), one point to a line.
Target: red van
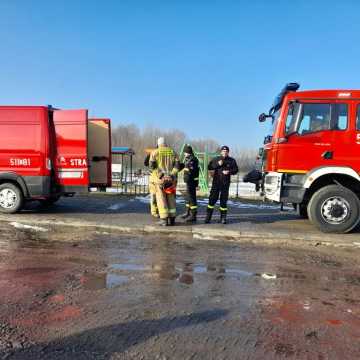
(46, 153)
(312, 156)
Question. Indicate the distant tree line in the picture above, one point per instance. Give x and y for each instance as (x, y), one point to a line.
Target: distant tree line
(141, 139)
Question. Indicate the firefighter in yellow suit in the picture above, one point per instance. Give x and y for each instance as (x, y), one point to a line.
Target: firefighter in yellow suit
(152, 187)
(165, 165)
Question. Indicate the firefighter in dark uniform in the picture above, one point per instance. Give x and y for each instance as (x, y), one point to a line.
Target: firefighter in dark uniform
(191, 179)
(223, 167)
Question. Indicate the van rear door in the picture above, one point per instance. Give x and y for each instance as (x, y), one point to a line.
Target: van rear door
(71, 163)
(99, 152)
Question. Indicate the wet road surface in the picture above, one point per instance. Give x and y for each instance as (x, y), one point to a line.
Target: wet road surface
(102, 296)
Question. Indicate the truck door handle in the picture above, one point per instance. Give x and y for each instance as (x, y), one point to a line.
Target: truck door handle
(327, 155)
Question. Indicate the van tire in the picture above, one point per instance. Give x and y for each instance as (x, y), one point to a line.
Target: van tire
(15, 200)
(334, 209)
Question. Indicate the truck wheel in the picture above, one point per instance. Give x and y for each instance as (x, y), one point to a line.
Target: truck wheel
(11, 198)
(334, 209)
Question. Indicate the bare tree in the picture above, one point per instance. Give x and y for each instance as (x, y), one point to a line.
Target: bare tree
(245, 158)
(139, 140)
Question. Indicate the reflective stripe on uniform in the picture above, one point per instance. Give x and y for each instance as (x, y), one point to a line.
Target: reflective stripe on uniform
(193, 207)
(166, 152)
(196, 179)
(210, 207)
(187, 205)
(223, 209)
(172, 211)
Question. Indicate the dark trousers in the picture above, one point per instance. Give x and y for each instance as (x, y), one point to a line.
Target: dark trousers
(217, 190)
(190, 196)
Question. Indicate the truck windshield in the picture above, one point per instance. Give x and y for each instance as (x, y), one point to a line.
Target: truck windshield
(312, 117)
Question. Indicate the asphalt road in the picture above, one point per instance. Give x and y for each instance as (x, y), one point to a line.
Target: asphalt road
(247, 219)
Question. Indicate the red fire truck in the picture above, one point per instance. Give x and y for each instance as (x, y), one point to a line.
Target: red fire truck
(312, 157)
(46, 153)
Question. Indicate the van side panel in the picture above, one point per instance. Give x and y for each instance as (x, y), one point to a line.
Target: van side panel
(23, 148)
(71, 163)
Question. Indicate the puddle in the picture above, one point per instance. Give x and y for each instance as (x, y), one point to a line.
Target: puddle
(103, 281)
(201, 269)
(188, 267)
(129, 267)
(186, 278)
(238, 272)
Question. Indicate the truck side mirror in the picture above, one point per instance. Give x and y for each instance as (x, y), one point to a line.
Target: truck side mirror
(262, 117)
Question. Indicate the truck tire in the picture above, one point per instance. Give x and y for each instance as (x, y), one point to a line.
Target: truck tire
(11, 198)
(334, 209)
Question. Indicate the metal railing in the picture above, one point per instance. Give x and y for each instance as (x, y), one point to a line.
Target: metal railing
(137, 183)
(130, 183)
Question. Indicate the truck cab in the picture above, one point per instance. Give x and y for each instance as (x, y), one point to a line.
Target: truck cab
(312, 156)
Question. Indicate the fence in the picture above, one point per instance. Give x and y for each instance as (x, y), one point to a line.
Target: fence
(137, 183)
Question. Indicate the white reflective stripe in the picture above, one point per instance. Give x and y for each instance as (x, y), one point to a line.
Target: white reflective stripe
(72, 169)
(316, 173)
(71, 173)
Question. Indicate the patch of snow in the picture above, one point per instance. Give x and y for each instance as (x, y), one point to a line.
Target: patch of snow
(116, 206)
(231, 203)
(143, 199)
(27, 227)
(241, 205)
(268, 276)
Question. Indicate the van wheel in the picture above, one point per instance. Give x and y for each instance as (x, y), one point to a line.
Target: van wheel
(334, 209)
(11, 198)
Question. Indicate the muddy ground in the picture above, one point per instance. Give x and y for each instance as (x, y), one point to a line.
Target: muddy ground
(99, 295)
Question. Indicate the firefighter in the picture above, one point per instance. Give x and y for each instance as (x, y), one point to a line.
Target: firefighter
(191, 179)
(223, 167)
(165, 165)
(152, 189)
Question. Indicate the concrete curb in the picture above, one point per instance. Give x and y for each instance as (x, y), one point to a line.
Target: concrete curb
(203, 232)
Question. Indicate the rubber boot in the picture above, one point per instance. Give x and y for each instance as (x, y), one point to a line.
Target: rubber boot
(223, 217)
(209, 213)
(186, 214)
(171, 221)
(163, 222)
(192, 217)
